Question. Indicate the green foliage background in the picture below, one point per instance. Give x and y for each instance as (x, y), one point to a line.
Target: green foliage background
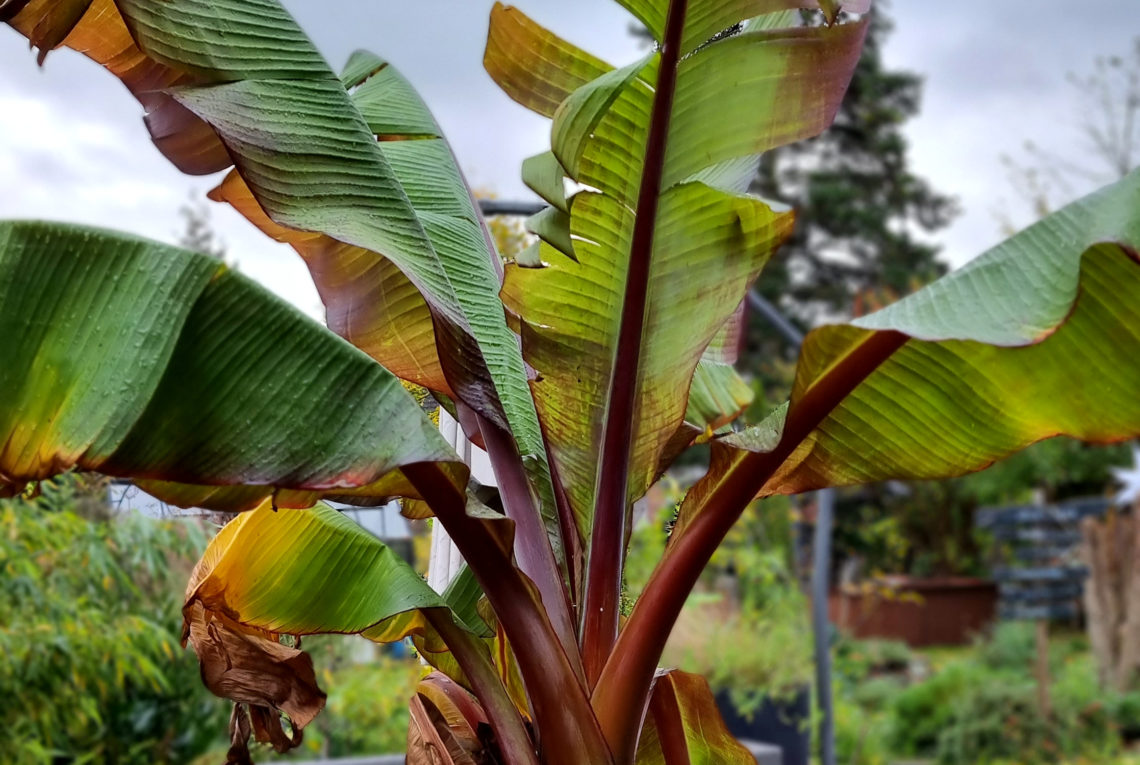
(91, 670)
(91, 666)
(977, 705)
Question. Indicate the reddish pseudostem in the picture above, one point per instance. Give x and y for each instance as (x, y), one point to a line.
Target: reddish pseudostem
(603, 577)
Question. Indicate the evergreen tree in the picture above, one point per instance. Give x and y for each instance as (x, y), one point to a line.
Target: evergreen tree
(198, 234)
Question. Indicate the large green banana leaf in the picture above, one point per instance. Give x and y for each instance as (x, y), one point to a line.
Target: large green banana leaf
(707, 241)
(1039, 337)
(137, 359)
(368, 300)
(307, 572)
(220, 88)
(718, 395)
(707, 18)
(534, 66)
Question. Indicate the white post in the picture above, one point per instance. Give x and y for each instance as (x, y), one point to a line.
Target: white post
(445, 560)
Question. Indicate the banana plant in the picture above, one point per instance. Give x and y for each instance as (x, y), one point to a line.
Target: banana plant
(584, 366)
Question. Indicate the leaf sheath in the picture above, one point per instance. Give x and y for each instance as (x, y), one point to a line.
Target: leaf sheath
(561, 707)
(514, 742)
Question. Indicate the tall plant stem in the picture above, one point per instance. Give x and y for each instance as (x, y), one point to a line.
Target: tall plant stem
(532, 545)
(514, 742)
(568, 731)
(607, 545)
(622, 692)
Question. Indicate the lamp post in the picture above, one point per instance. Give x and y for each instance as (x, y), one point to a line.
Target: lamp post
(821, 564)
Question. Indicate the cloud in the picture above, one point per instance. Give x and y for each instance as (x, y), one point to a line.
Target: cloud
(69, 157)
(995, 77)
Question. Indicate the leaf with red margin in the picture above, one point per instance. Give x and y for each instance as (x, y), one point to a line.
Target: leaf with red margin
(1038, 337)
(368, 300)
(136, 359)
(534, 66)
(570, 308)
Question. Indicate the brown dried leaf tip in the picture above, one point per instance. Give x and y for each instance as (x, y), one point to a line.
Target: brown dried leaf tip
(260, 675)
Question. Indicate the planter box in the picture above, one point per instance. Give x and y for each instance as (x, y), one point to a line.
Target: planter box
(784, 724)
(919, 612)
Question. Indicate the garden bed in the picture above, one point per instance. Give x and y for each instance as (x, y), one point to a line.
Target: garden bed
(917, 611)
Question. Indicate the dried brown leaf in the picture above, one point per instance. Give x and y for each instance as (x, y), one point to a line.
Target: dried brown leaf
(252, 668)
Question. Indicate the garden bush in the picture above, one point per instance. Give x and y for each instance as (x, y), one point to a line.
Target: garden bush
(367, 708)
(861, 733)
(91, 670)
(1009, 646)
(982, 707)
(859, 659)
(922, 712)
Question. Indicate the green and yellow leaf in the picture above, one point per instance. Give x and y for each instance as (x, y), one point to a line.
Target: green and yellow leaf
(307, 572)
(533, 65)
(1036, 338)
(684, 726)
(709, 241)
(272, 572)
(220, 90)
(136, 359)
(368, 300)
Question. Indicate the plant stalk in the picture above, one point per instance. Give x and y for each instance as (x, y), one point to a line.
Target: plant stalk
(514, 742)
(667, 718)
(623, 689)
(571, 539)
(568, 731)
(607, 545)
(532, 545)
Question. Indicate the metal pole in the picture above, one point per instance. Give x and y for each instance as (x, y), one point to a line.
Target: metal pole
(821, 565)
(497, 207)
(773, 316)
(821, 626)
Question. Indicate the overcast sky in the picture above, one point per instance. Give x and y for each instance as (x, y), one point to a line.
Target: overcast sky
(74, 147)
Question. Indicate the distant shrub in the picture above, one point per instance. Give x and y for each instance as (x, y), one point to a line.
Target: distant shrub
(860, 733)
(1011, 645)
(984, 709)
(91, 670)
(857, 659)
(995, 719)
(922, 712)
(367, 710)
(877, 693)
